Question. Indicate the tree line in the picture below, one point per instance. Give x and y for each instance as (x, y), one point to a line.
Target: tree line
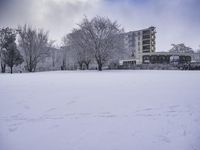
(93, 41)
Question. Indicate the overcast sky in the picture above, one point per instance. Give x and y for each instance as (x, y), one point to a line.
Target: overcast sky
(176, 21)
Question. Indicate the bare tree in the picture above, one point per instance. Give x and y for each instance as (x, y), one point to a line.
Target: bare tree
(102, 36)
(96, 39)
(79, 43)
(34, 44)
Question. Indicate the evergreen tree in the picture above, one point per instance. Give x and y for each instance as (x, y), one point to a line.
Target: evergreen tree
(11, 54)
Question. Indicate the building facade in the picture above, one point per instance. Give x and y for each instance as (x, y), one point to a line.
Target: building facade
(141, 49)
(136, 43)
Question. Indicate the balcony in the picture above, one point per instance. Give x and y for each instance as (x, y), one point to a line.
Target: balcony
(146, 42)
(146, 37)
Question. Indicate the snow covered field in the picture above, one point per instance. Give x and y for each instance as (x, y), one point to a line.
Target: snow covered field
(109, 110)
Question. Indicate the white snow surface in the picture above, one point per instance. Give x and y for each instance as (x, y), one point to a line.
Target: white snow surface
(108, 110)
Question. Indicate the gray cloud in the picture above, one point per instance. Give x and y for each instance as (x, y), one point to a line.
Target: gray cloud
(176, 20)
(57, 16)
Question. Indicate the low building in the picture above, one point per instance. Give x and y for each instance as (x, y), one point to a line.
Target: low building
(166, 58)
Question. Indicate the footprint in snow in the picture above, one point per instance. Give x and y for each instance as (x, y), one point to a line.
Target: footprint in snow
(71, 102)
(51, 109)
(13, 129)
(27, 107)
(164, 139)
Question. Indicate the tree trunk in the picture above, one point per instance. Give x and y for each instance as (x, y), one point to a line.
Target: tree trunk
(53, 64)
(11, 70)
(87, 65)
(99, 66)
(80, 65)
(64, 65)
(34, 68)
(3, 68)
(30, 69)
(31, 66)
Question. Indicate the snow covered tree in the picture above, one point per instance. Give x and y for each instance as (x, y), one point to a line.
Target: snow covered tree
(181, 48)
(11, 54)
(98, 37)
(34, 44)
(79, 44)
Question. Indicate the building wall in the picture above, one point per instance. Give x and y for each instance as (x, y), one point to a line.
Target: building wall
(138, 42)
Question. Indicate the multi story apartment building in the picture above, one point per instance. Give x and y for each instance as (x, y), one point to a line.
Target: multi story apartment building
(136, 43)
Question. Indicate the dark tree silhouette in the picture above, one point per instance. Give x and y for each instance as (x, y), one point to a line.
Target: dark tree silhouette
(4, 34)
(11, 54)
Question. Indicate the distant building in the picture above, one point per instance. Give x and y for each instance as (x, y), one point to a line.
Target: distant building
(166, 58)
(136, 43)
(140, 47)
